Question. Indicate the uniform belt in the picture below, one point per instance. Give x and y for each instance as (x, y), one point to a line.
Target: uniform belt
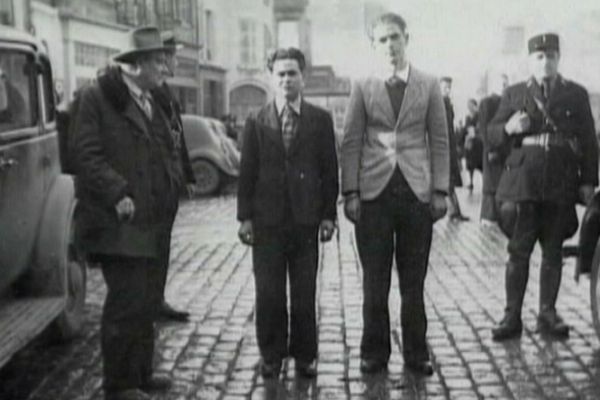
(545, 140)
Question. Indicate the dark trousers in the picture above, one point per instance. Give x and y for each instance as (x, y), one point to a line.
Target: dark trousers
(543, 221)
(127, 331)
(279, 252)
(396, 222)
(546, 222)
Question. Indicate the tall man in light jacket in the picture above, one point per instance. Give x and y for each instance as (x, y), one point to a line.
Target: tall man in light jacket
(395, 175)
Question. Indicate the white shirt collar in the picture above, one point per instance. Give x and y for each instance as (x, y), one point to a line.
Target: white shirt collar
(281, 102)
(386, 72)
(133, 87)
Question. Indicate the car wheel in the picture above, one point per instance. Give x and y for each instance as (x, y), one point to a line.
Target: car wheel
(595, 290)
(208, 178)
(69, 323)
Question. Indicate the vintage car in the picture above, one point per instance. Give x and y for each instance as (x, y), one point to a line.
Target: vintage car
(42, 280)
(214, 156)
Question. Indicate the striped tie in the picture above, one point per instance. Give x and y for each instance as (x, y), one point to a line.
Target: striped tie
(289, 122)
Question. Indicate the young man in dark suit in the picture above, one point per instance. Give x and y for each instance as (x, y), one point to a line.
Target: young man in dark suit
(553, 162)
(287, 193)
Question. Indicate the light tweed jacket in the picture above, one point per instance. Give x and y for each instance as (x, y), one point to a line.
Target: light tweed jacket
(374, 141)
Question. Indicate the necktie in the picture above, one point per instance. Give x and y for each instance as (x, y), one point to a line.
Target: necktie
(288, 126)
(545, 89)
(396, 88)
(146, 104)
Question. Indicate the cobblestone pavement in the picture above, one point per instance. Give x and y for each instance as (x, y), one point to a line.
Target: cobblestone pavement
(215, 355)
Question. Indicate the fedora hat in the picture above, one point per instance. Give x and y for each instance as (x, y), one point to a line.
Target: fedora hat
(139, 41)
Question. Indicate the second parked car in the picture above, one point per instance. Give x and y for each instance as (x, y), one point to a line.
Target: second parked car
(214, 156)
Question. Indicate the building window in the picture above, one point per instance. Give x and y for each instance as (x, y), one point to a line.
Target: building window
(268, 41)
(248, 45)
(209, 37)
(135, 12)
(7, 14)
(91, 55)
(184, 12)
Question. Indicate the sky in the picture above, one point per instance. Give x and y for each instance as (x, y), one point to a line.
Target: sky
(461, 38)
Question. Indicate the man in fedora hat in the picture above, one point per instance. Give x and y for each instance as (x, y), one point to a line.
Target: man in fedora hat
(165, 99)
(552, 162)
(128, 171)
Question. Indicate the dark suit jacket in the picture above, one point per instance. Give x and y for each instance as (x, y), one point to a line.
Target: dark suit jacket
(308, 172)
(554, 174)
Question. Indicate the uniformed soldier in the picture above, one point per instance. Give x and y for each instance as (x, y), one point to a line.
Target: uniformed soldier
(553, 161)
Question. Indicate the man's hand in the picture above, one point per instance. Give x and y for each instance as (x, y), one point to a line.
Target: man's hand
(352, 208)
(586, 193)
(125, 209)
(438, 206)
(326, 230)
(518, 123)
(246, 233)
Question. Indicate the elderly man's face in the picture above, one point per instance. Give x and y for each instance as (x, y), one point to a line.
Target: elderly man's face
(544, 64)
(153, 69)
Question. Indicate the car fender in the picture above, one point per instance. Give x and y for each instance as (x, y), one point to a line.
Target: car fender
(588, 236)
(216, 157)
(48, 273)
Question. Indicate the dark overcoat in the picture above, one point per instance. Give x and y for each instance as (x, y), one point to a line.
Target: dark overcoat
(308, 170)
(552, 173)
(493, 158)
(116, 155)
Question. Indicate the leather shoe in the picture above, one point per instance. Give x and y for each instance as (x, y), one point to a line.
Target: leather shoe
(130, 394)
(270, 370)
(420, 367)
(306, 369)
(156, 384)
(552, 325)
(372, 366)
(166, 312)
(507, 329)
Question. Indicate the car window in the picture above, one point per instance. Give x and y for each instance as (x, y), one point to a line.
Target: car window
(49, 92)
(17, 91)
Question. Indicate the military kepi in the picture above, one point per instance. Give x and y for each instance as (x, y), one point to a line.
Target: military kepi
(543, 42)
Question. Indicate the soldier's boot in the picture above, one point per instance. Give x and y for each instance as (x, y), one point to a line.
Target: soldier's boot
(515, 282)
(548, 321)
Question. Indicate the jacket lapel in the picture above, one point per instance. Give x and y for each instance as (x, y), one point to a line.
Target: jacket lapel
(414, 92)
(134, 115)
(302, 129)
(272, 126)
(382, 98)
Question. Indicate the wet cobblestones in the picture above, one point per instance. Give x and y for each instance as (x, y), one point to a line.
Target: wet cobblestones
(215, 356)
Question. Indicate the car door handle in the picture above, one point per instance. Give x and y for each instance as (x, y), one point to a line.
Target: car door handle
(6, 163)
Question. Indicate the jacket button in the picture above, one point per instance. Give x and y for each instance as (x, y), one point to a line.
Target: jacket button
(301, 175)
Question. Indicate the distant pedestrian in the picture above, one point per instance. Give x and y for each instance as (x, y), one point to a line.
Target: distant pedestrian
(493, 159)
(553, 161)
(128, 176)
(455, 177)
(172, 109)
(473, 143)
(287, 193)
(395, 161)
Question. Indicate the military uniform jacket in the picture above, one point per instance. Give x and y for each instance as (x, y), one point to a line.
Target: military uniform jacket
(553, 172)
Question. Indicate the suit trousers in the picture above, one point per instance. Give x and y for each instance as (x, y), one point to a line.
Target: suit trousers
(395, 223)
(171, 207)
(279, 252)
(127, 326)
